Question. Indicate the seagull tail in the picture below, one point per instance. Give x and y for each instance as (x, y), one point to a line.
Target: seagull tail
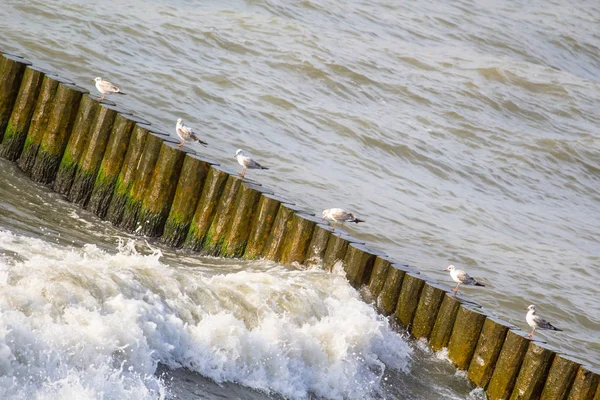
(479, 284)
(356, 220)
(203, 143)
(119, 92)
(261, 167)
(553, 328)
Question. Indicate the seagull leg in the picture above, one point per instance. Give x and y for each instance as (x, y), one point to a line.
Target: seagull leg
(531, 334)
(455, 290)
(243, 173)
(180, 143)
(101, 97)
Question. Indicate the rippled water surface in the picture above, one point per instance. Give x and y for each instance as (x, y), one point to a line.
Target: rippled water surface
(464, 133)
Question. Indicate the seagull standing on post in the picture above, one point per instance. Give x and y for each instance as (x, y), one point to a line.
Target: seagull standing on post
(536, 322)
(105, 87)
(460, 276)
(246, 162)
(338, 215)
(185, 132)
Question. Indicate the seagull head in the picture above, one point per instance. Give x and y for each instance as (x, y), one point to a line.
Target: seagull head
(531, 308)
(97, 79)
(239, 152)
(179, 121)
(325, 212)
(450, 268)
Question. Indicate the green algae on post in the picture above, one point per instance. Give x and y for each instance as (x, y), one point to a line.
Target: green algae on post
(379, 276)
(412, 284)
(465, 334)
(189, 189)
(586, 383)
(159, 194)
(20, 118)
(262, 222)
(91, 158)
(560, 377)
(444, 322)
(427, 309)
(358, 263)
(111, 163)
(206, 208)
(387, 298)
(318, 245)
(534, 370)
(298, 238)
(508, 365)
(12, 69)
(88, 108)
(487, 350)
(336, 250)
(57, 132)
(274, 246)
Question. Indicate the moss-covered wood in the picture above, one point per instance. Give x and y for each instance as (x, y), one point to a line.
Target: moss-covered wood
(387, 299)
(189, 189)
(427, 309)
(379, 275)
(508, 365)
(586, 383)
(91, 158)
(336, 250)
(487, 350)
(560, 378)
(159, 194)
(39, 122)
(22, 111)
(465, 335)
(206, 208)
(412, 284)
(273, 249)
(444, 322)
(358, 263)
(112, 162)
(57, 132)
(298, 238)
(247, 204)
(318, 245)
(88, 107)
(12, 70)
(262, 222)
(126, 178)
(533, 372)
(218, 230)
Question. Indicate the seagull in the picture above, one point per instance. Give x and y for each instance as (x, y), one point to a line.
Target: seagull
(246, 162)
(185, 132)
(460, 276)
(536, 322)
(105, 87)
(338, 215)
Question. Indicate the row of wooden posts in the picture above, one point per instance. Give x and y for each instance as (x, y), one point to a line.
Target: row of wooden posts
(119, 167)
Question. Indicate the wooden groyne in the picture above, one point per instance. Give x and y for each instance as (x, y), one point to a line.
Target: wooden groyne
(119, 167)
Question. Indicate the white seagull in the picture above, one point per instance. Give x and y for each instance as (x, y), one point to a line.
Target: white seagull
(459, 276)
(246, 162)
(185, 132)
(536, 322)
(338, 215)
(105, 87)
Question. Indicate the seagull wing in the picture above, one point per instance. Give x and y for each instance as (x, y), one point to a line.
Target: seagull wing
(543, 324)
(464, 278)
(339, 214)
(109, 87)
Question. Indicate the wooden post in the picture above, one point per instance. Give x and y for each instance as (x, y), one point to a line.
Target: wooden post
(465, 334)
(487, 350)
(57, 132)
(358, 263)
(560, 378)
(298, 238)
(508, 365)
(586, 383)
(427, 309)
(387, 299)
(12, 69)
(76, 144)
(20, 118)
(412, 284)
(158, 196)
(318, 245)
(534, 370)
(336, 250)
(442, 329)
(112, 162)
(261, 225)
(206, 209)
(189, 189)
(274, 246)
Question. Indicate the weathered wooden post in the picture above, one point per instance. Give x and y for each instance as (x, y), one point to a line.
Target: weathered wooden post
(127, 175)
(274, 246)
(89, 164)
(493, 335)
(56, 133)
(88, 107)
(12, 69)
(427, 309)
(586, 383)
(318, 245)
(534, 370)
(159, 194)
(358, 263)
(298, 238)
(379, 275)
(442, 329)
(206, 208)
(111, 163)
(249, 196)
(387, 299)
(412, 284)
(39, 122)
(560, 378)
(189, 189)
(262, 222)
(20, 118)
(508, 365)
(336, 250)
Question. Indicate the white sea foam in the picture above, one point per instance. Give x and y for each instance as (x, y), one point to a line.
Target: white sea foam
(82, 323)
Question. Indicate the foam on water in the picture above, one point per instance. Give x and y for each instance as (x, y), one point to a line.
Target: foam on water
(84, 323)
